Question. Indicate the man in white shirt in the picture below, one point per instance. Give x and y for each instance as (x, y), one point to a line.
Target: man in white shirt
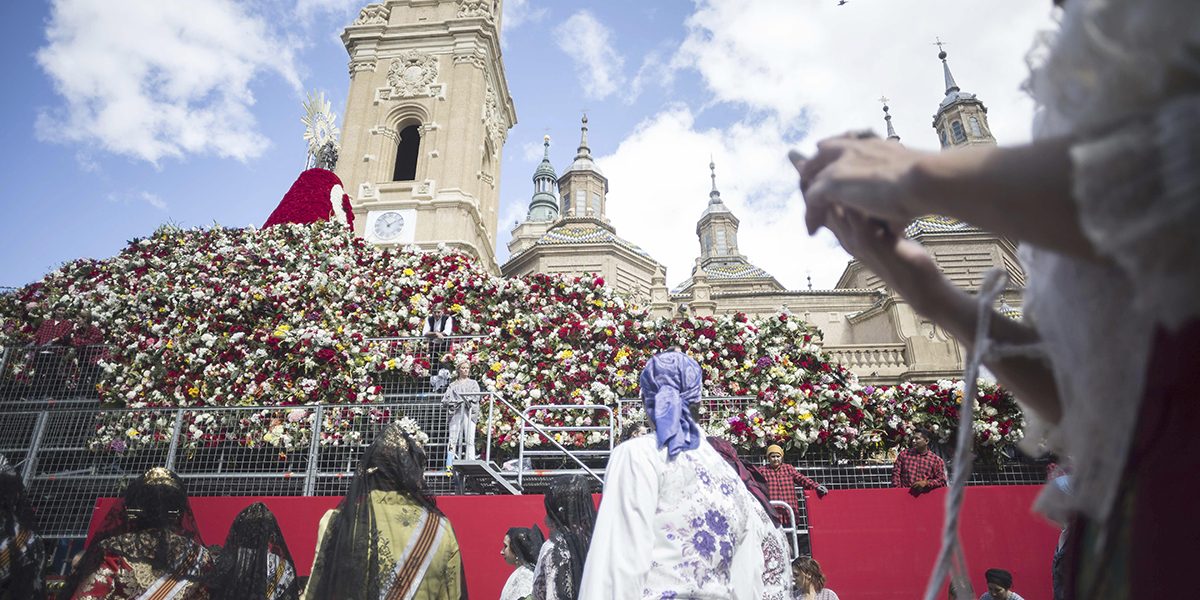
(438, 326)
(675, 519)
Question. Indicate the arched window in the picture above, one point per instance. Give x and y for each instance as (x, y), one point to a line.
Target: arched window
(942, 135)
(976, 130)
(566, 201)
(407, 153)
(960, 135)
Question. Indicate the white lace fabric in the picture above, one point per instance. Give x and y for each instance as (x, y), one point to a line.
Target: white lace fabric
(519, 585)
(1115, 77)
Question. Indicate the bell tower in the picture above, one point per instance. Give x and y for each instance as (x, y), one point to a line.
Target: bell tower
(961, 118)
(427, 116)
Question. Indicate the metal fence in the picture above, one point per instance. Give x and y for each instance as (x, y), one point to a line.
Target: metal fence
(71, 451)
(50, 373)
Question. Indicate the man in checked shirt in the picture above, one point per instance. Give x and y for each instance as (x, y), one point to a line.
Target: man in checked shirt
(781, 483)
(917, 468)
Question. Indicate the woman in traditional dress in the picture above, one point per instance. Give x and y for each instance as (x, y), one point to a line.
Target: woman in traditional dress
(1106, 205)
(148, 547)
(570, 515)
(387, 538)
(255, 563)
(676, 520)
(521, 548)
(22, 553)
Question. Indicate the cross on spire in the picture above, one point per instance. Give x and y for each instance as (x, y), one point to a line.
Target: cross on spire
(714, 195)
(939, 43)
(883, 100)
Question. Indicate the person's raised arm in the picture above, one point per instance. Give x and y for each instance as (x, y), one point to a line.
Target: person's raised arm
(1021, 192)
(909, 270)
(805, 481)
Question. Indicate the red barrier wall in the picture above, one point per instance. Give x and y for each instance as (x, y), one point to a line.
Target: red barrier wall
(480, 523)
(881, 543)
(872, 544)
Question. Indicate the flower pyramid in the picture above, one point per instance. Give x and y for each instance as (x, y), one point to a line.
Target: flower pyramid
(290, 315)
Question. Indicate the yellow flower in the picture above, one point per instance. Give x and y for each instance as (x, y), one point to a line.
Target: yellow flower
(408, 272)
(193, 391)
(456, 308)
(598, 302)
(565, 354)
(170, 343)
(391, 363)
(258, 296)
(806, 416)
(496, 366)
(132, 432)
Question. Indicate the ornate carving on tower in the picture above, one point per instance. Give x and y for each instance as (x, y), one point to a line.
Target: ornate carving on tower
(493, 119)
(357, 66)
(411, 75)
(373, 14)
(468, 9)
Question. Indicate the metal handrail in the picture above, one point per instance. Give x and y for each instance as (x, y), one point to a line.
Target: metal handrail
(526, 421)
(790, 528)
(542, 407)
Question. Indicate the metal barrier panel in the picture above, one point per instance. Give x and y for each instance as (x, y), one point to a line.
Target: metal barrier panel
(575, 424)
(50, 372)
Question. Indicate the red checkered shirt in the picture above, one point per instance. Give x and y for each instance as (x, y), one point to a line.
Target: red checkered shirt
(911, 467)
(781, 487)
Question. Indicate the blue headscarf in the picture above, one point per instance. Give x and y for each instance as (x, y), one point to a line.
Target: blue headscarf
(670, 383)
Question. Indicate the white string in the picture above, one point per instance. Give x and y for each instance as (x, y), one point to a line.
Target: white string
(951, 559)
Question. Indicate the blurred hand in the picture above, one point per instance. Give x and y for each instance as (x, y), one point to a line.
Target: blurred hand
(902, 264)
(868, 175)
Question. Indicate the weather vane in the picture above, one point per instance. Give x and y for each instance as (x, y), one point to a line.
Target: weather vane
(321, 132)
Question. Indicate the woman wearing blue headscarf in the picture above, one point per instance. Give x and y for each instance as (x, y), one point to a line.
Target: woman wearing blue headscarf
(675, 519)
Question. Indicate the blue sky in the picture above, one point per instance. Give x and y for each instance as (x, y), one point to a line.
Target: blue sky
(111, 132)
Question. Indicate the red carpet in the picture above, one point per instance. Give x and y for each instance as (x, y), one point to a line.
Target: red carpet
(871, 543)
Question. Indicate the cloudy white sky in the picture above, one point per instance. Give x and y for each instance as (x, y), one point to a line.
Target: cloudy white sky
(124, 114)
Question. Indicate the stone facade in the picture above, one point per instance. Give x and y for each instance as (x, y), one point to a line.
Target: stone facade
(567, 231)
(865, 326)
(427, 69)
(433, 67)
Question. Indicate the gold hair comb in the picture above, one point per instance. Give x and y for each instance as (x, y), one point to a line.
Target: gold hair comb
(159, 476)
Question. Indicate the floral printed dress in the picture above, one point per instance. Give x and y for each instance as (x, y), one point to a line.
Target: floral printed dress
(681, 528)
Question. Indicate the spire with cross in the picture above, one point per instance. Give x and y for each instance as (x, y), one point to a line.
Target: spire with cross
(887, 117)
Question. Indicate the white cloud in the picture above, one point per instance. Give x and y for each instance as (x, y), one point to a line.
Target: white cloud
(518, 13)
(660, 186)
(827, 64)
(531, 152)
(131, 197)
(589, 44)
(307, 9)
(155, 80)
